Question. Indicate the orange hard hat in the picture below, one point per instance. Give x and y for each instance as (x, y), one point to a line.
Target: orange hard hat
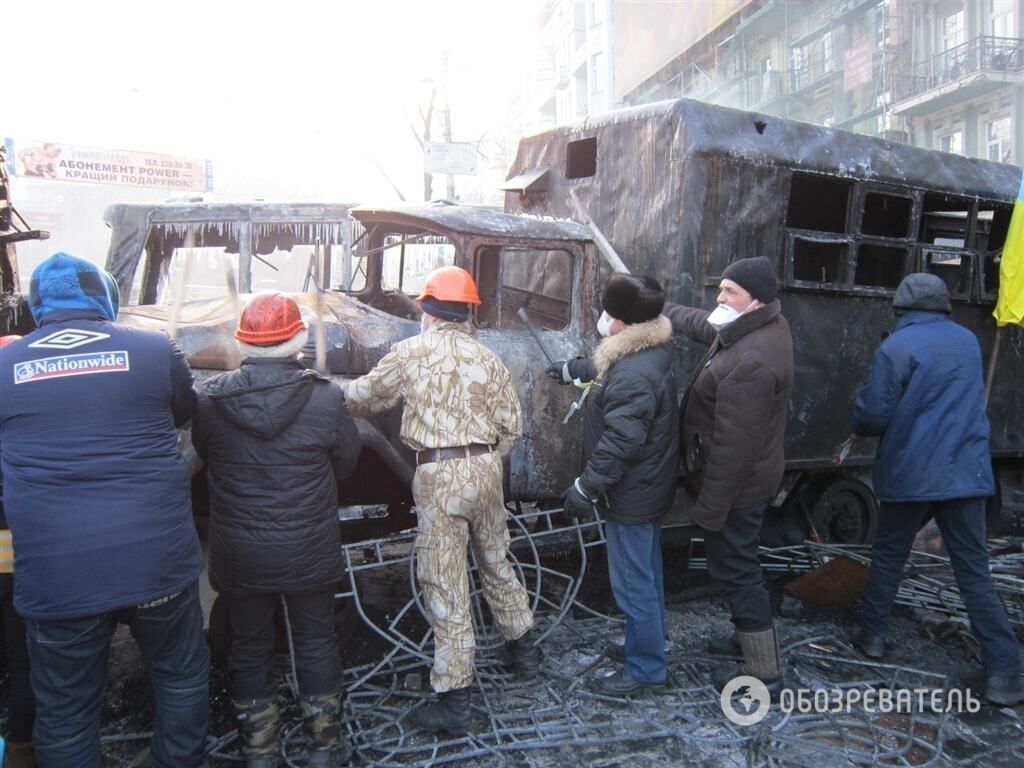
(5, 340)
(450, 284)
(269, 318)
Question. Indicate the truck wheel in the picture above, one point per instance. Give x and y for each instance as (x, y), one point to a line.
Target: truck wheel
(846, 512)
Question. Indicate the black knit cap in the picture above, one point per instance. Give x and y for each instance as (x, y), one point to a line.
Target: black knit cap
(632, 298)
(756, 276)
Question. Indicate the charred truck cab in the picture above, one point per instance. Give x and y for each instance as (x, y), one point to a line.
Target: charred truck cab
(374, 262)
(682, 188)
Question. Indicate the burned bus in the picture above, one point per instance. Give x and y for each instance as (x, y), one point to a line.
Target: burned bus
(681, 188)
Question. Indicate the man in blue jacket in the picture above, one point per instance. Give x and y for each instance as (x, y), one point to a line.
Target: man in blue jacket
(924, 396)
(97, 497)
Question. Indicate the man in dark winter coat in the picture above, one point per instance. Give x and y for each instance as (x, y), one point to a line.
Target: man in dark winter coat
(277, 438)
(97, 497)
(733, 424)
(632, 445)
(925, 397)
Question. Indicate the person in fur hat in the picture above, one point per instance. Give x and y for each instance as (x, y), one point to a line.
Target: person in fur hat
(631, 441)
(733, 423)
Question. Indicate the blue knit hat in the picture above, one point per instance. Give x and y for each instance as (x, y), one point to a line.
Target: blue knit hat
(65, 282)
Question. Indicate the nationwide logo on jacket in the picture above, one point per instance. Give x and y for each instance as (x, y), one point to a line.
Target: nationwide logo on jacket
(71, 365)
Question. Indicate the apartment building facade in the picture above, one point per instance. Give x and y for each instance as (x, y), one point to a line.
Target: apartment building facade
(940, 74)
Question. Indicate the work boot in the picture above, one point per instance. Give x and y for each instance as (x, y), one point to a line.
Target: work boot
(724, 646)
(521, 656)
(259, 727)
(20, 754)
(449, 713)
(623, 684)
(1008, 691)
(760, 651)
(616, 652)
(870, 645)
(321, 727)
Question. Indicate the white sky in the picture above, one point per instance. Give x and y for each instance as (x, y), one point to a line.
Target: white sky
(288, 99)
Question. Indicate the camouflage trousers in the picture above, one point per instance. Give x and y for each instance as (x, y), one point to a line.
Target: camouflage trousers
(459, 503)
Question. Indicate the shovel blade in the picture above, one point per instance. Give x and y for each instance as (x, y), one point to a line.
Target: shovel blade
(836, 583)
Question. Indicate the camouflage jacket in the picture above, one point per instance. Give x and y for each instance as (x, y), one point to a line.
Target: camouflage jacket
(455, 390)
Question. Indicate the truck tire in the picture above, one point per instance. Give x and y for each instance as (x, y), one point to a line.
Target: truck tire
(846, 512)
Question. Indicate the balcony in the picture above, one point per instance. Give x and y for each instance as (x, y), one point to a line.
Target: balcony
(762, 88)
(958, 74)
(814, 73)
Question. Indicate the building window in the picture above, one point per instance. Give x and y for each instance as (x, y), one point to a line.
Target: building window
(598, 11)
(952, 142)
(997, 139)
(1004, 21)
(597, 77)
(954, 30)
(879, 26)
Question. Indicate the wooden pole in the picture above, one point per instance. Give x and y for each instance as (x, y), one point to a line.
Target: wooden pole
(991, 373)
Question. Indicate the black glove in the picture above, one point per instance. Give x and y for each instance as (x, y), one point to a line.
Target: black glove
(577, 506)
(558, 370)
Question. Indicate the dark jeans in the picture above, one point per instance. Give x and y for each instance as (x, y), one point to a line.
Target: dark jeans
(638, 583)
(317, 662)
(734, 565)
(69, 676)
(962, 524)
(21, 706)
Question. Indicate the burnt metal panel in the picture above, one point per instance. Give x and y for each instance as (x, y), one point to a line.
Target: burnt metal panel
(474, 220)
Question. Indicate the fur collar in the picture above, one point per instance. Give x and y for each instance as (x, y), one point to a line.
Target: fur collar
(630, 340)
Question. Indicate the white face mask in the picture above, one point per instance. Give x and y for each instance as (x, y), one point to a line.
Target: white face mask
(604, 324)
(723, 315)
(424, 323)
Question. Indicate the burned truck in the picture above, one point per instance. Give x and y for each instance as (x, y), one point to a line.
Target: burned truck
(679, 189)
(354, 272)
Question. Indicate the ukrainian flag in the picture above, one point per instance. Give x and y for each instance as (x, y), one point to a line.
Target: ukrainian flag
(1010, 305)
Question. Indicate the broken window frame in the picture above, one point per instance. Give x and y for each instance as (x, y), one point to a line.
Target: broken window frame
(581, 158)
(968, 263)
(844, 275)
(511, 322)
(153, 269)
(888, 289)
(423, 237)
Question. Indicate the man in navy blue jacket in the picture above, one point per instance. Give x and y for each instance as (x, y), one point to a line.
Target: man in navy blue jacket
(924, 396)
(97, 497)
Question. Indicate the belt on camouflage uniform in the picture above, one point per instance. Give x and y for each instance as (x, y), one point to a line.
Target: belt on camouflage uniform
(430, 455)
